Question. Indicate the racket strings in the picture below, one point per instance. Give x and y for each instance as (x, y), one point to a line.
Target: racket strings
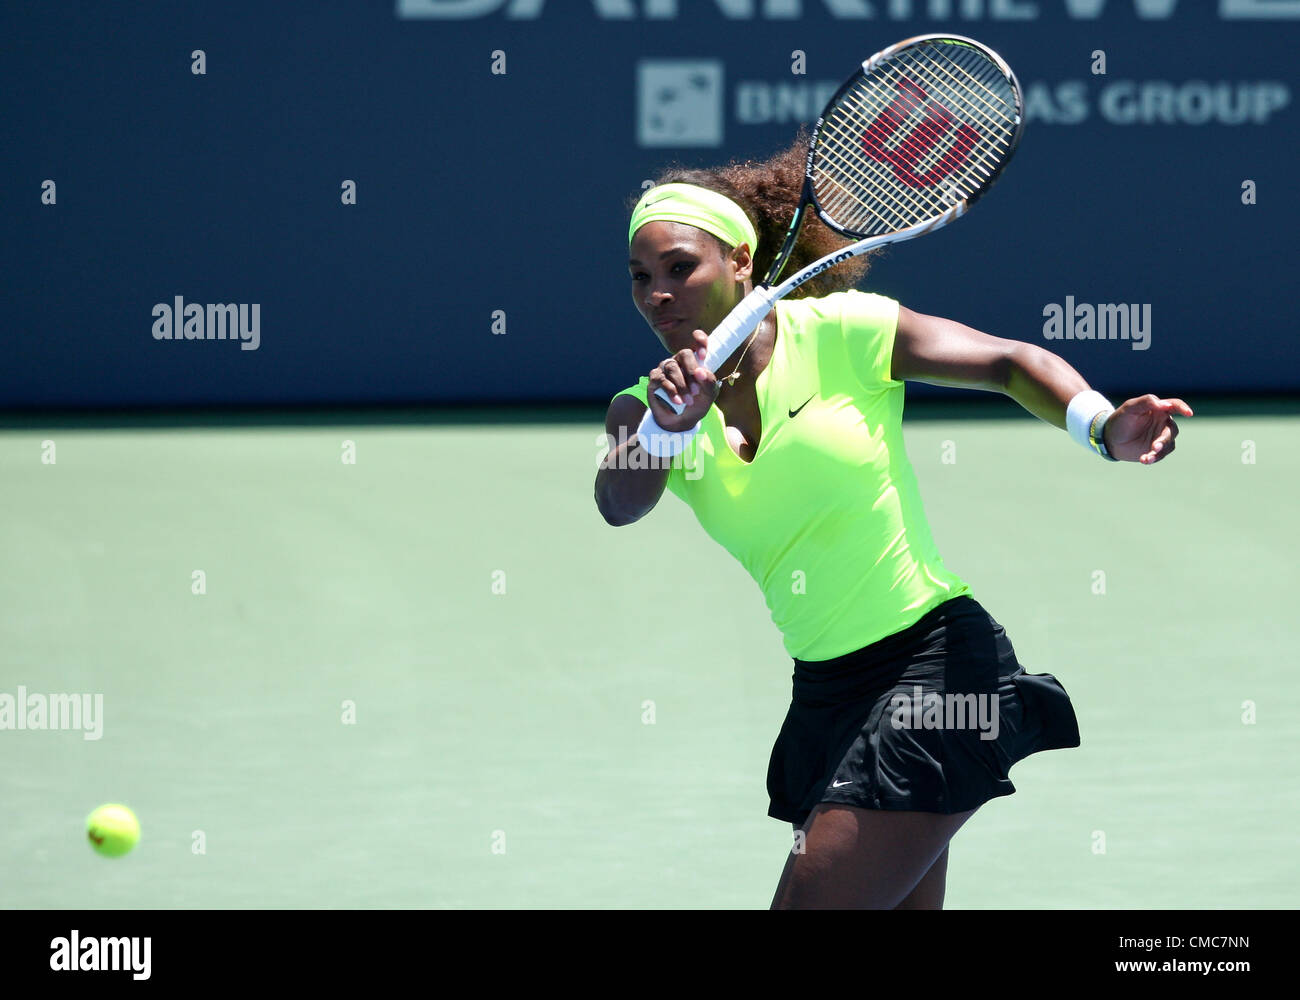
(988, 124)
(910, 144)
(849, 128)
(995, 106)
(862, 182)
(951, 121)
(920, 147)
(903, 201)
(983, 161)
(992, 118)
(923, 155)
(855, 196)
(864, 185)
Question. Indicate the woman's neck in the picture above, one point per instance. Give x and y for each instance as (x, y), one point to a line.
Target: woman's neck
(752, 361)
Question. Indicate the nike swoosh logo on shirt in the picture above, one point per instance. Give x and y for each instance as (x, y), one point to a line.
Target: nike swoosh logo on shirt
(795, 413)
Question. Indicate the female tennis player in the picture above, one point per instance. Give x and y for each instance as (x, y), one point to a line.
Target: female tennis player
(908, 706)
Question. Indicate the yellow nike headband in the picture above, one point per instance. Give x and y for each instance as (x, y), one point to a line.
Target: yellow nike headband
(695, 206)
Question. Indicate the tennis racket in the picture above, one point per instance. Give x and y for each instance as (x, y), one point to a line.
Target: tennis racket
(906, 145)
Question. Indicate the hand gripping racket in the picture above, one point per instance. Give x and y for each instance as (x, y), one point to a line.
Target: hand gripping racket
(905, 146)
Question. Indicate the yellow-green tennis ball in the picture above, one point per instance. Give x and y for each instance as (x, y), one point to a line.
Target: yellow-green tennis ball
(113, 830)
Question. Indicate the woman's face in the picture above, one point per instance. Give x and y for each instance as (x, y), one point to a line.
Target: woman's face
(685, 280)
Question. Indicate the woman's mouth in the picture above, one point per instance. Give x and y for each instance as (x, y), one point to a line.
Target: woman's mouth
(666, 324)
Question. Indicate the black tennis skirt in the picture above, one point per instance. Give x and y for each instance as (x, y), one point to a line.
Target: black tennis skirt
(927, 719)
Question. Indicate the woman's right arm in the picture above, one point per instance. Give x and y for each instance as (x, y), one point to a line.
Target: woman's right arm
(630, 481)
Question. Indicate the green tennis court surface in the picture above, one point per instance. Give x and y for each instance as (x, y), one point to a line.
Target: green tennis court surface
(555, 744)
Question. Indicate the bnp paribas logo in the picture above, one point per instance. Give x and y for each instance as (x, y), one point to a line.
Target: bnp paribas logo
(679, 102)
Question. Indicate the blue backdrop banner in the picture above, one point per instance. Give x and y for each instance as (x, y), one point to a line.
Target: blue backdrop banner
(426, 200)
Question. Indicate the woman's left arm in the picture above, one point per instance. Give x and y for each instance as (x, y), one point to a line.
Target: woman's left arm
(941, 352)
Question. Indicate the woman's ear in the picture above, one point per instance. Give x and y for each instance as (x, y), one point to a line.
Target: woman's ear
(744, 262)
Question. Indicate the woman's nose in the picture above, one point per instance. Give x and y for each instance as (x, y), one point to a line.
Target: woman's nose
(655, 298)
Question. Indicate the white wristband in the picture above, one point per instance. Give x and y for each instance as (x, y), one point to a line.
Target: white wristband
(662, 443)
(1082, 421)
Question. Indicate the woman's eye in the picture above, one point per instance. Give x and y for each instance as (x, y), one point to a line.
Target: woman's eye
(679, 268)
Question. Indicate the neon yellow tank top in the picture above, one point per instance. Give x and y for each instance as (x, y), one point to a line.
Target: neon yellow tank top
(828, 518)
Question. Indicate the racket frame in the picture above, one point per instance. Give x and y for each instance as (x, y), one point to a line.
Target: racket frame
(749, 312)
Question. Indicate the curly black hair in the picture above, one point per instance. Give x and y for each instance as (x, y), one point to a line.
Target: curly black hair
(768, 190)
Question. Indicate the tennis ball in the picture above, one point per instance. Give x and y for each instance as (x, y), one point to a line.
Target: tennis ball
(113, 830)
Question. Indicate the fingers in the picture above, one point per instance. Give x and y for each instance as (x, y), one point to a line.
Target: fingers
(1143, 404)
(703, 384)
(659, 379)
(1162, 446)
(1170, 406)
(1154, 416)
(688, 383)
(681, 374)
(667, 416)
(1153, 403)
(691, 361)
(672, 377)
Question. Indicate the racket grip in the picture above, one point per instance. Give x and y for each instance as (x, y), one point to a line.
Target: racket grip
(663, 394)
(731, 333)
(739, 324)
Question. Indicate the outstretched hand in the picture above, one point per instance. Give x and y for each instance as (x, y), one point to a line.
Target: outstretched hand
(1143, 429)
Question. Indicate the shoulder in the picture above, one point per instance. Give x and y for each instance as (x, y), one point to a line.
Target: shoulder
(848, 309)
(627, 407)
(838, 303)
(851, 332)
(633, 392)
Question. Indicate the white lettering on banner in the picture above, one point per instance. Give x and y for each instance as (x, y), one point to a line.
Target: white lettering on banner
(1064, 103)
(1193, 102)
(761, 103)
(1260, 10)
(680, 102)
(848, 10)
(1148, 10)
(997, 10)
